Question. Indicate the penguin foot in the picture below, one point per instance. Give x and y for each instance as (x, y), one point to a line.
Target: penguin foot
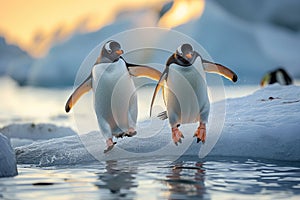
(121, 135)
(110, 144)
(163, 115)
(130, 133)
(201, 133)
(176, 135)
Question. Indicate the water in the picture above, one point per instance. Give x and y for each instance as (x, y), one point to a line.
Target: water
(158, 178)
(148, 178)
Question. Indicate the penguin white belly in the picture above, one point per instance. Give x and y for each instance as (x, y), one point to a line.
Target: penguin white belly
(186, 95)
(114, 97)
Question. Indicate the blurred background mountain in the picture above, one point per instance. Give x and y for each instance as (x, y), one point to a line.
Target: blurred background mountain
(44, 45)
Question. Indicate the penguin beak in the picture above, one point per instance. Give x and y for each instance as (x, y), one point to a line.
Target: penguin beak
(189, 55)
(119, 52)
(265, 80)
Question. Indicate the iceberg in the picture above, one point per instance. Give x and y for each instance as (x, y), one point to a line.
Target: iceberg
(60, 65)
(249, 48)
(249, 44)
(14, 62)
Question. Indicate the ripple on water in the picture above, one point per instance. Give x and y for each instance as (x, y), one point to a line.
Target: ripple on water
(157, 178)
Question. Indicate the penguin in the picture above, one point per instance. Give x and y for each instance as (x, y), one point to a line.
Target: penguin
(185, 90)
(115, 101)
(277, 76)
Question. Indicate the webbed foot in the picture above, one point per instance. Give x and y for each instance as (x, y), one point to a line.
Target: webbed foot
(110, 144)
(131, 132)
(200, 133)
(176, 135)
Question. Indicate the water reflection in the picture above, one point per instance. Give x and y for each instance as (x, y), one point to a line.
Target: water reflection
(186, 180)
(118, 179)
(250, 177)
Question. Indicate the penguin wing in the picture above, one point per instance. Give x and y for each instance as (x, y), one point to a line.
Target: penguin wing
(143, 71)
(157, 88)
(212, 67)
(82, 89)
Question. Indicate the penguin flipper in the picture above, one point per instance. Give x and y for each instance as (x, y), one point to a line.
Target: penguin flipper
(157, 88)
(82, 89)
(212, 67)
(143, 71)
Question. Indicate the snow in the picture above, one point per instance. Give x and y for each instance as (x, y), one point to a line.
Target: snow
(21, 134)
(264, 125)
(8, 166)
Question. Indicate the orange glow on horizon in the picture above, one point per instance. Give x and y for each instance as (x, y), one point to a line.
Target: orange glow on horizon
(181, 12)
(35, 24)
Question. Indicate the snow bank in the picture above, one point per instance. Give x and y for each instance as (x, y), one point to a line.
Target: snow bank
(22, 134)
(262, 125)
(59, 151)
(8, 166)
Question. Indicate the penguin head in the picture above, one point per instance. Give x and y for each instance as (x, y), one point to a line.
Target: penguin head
(111, 51)
(186, 53)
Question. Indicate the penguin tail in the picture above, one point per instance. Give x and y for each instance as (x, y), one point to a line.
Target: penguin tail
(163, 115)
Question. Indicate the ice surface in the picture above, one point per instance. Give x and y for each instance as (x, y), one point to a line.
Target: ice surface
(264, 124)
(27, 133)
(8, 166)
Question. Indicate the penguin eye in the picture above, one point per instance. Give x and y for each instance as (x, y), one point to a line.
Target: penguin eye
(179, 52)
(107, 47)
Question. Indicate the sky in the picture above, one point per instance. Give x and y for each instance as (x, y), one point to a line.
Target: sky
(34, 24)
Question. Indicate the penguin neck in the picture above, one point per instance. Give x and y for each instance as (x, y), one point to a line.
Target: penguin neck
(181, 61)
(103, 59)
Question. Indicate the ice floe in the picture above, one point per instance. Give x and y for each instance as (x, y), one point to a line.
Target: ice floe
(264, 124)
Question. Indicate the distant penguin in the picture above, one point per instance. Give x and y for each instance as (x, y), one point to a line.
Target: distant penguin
(115, 101)
(277, 76)
(185, 90)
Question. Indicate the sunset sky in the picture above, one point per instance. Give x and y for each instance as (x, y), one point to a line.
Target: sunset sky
(29, 23)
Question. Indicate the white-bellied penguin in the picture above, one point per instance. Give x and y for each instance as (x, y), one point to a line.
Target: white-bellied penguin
(115, 101)
(185, 90)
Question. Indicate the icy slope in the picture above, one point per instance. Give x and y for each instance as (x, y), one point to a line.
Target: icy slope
(265, 125)
(262, 125)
